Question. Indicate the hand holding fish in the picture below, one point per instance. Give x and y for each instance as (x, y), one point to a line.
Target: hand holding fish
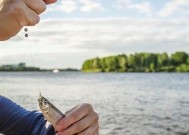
(14, 14)
(80, 120)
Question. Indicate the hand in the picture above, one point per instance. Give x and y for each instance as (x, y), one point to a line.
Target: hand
(80, 120)
(50, 1)
(14, 14)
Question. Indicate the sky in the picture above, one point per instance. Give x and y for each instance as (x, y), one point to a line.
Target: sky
(72, 31)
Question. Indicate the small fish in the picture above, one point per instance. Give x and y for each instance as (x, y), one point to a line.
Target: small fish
(50, 112)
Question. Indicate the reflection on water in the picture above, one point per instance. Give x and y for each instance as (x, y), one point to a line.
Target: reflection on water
(128, 104)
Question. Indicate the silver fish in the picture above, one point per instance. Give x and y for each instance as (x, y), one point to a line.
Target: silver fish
(50, 112)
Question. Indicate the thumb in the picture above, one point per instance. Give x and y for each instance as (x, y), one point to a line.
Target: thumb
(67, 112)
(50, 1)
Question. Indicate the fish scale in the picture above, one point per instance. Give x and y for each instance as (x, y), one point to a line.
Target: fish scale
(50, 112)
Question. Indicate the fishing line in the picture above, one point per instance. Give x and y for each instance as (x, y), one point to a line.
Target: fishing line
(31, 56)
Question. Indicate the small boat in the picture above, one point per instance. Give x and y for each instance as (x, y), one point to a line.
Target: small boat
(55, 71)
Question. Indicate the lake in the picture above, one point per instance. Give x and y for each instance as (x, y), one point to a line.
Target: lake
(128, 103)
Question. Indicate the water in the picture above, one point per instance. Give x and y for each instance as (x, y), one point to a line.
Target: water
(128, 104)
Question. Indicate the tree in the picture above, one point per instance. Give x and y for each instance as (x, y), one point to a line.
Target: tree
(122, 60)
(188, 60)
(112, 63)
(87, 65)
(150, 59)
(179, 58)
(183, 68)
(96, 63)
(163, 60)
(139, 62)
(103, 64)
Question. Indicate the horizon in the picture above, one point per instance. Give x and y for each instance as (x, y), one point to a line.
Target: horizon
(64, 68)
(72, 31)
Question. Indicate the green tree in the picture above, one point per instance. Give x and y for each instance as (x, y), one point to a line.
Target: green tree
(103, 64)
(131, 62)
(150, 59)
(179, 58)
(96, 64)
(163, 60)
(112, 63)
(152, 67)
(87, 65)
(122, 60)
(188, 60)
(183, 68)
(139, 62)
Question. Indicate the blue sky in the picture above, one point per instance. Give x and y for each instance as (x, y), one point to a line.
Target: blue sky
(116, 9)
(72, 31)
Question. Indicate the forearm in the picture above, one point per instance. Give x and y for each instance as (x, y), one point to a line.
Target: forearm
(15, 120)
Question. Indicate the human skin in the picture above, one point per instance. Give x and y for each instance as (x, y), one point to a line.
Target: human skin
(15, 14)
(80, 120)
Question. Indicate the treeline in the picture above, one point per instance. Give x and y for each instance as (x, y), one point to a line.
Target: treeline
(21, 67)
(11, 69)
(139, 62)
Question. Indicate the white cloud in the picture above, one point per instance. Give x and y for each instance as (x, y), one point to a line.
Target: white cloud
(69, 6)
(69, 42)
(89, 5)
(173, 7)
(143, 7)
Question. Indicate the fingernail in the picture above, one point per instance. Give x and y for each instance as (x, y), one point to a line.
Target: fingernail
(57, 127)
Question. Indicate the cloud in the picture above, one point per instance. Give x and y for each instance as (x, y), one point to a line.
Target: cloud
(69, 6)
(71, 41)
(143, 7)
(89, 5)
(175, 7)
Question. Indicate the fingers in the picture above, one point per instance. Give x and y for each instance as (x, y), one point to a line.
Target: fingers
(77, 114)
(50, 1)
(24, 15)
(38, 6)
(19, 13)
(80, 120)
(32, 18)
(28, 13)
(28, 17)
(93, 130)
(67, 112)
(83, 126)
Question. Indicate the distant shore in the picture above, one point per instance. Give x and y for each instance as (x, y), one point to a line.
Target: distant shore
(139, 62)
(41, 70)
(21, 67)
